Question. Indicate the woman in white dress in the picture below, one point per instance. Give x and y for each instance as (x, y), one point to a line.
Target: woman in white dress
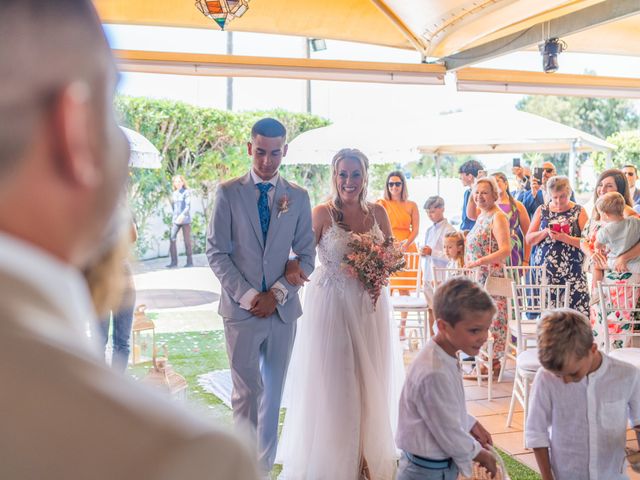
(346, 368)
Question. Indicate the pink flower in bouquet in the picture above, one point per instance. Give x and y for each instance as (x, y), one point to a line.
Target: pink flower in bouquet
(372, 261)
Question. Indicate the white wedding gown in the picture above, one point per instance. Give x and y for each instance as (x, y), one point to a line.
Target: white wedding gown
(344, 379)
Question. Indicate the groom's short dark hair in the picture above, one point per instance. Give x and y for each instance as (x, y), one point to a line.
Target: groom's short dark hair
(268, 127)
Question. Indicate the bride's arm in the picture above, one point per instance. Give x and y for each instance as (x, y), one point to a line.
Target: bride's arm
(320, 220)
(382, 218)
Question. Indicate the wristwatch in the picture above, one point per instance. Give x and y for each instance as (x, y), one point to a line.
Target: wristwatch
(278, 294)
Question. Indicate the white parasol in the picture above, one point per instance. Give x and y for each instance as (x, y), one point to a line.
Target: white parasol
(143, 153)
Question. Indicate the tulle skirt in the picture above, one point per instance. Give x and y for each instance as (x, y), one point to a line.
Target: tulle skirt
(343, 386)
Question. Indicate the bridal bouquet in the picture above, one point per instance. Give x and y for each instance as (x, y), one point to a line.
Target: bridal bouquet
(372, 262)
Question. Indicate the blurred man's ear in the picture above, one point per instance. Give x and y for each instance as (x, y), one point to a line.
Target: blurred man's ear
(71, 136)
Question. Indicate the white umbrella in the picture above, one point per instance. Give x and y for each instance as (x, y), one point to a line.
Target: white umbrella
(386, 143)
(143, 153)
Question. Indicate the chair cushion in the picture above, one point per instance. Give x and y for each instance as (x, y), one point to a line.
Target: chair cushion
(528, 360)
(628, 355)
(408, 302)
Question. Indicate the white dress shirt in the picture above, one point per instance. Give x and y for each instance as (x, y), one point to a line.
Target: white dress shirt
(434, 238)
(247, 299)
(433, 421)
(584, 424)
(65, 414)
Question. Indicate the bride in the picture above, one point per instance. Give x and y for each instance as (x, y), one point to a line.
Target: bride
(346, 368)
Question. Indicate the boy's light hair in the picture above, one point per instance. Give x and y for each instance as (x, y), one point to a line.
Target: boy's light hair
(611, 203)
(563, 333)
(434, 202)
(458, 297)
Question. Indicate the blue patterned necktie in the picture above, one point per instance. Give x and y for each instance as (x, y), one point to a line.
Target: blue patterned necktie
(265, 216)
(263, 208)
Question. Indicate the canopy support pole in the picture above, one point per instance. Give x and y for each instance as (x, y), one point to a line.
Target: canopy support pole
(437, 164)
(573, 161)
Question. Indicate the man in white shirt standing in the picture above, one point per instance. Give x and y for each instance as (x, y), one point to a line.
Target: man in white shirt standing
(433, 249)
(63, 166)
(580, 403)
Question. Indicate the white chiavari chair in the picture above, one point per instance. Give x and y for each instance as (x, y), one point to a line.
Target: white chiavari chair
(534, 299)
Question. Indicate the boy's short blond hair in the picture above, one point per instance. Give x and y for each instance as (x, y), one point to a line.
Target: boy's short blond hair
(459, 296)
(611, 203)
(563, 333)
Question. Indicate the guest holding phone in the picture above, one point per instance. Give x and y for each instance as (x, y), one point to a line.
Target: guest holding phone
(555, 231)
(537, 196)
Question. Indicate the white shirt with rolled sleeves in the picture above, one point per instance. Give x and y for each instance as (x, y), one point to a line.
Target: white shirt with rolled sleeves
(434, 238)
(584, 424)
(433, 421)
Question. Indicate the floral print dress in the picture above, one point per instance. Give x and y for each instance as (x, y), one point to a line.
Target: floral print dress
(480, 243)
(515, 231)
(563, 262)
(609, 277)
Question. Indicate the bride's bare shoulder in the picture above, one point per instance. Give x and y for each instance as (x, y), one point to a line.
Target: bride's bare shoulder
(377, 210)
(322, 214)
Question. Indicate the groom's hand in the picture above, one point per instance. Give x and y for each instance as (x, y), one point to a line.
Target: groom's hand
(294, 274)
(264, 304)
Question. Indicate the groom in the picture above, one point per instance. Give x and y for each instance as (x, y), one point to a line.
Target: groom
(257, 221)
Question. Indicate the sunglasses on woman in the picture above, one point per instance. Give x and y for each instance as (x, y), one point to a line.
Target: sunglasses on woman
(394, 184)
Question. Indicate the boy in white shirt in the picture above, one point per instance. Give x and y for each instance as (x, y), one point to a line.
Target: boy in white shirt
(617, 233)
(435, 432)
(433, 249)
(577, 416)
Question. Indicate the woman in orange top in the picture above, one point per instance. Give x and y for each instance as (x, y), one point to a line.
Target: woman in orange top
(405, 224)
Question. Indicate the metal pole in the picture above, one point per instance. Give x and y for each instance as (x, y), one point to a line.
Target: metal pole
(437, 162)
(307, 50)
(573, 162)
(230, 79)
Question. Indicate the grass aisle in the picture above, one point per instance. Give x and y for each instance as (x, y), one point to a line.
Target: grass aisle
(194, 353)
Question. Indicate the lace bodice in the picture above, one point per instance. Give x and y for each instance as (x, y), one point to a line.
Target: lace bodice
(332, 248)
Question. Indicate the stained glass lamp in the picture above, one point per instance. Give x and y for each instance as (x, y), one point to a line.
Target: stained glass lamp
(222, 11)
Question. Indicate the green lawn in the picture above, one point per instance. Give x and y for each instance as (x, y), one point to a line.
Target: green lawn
(195, 353)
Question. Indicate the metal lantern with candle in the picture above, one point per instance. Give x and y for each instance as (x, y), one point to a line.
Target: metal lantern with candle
(162, 377)
(143, 336)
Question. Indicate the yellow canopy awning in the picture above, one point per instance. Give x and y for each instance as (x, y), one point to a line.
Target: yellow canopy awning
(436, 28)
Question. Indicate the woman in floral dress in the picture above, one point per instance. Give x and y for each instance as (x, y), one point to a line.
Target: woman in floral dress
(517, 217)
(554, 235)
(488, 246)
(612, 180)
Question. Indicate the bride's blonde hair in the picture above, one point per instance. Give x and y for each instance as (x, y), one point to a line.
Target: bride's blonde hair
(335, 204)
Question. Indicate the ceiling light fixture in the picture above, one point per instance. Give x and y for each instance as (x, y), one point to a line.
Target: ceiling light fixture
(222, 11)
(550, 50)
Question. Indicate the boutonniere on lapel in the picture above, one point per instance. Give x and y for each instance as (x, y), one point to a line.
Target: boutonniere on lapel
(283, 205)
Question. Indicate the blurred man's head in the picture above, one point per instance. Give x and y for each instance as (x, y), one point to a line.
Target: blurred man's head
(548, 171)
(631, 172)
(63, 159)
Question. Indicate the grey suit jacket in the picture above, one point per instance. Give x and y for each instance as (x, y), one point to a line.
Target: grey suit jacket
(237, 253)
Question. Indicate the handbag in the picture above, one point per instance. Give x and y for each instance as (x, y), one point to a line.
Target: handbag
(497, 286)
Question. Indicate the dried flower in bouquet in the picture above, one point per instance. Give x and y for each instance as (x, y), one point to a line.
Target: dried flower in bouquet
(372, 261)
